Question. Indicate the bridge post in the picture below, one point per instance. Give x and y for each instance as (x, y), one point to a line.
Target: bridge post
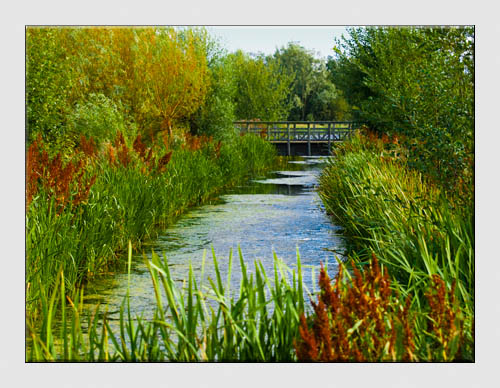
(308, 139)
(329, 138)
(288, 137)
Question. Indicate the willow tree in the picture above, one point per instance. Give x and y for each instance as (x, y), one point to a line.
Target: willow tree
(171, 77)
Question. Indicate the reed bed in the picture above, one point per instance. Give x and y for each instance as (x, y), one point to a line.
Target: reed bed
(363, 317)
(416, 230)
(83, 209)
(360, 317)
(200, 321)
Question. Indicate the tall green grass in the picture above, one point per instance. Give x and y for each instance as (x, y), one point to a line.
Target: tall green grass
(201, 321)
(127, 203)
(412, 226)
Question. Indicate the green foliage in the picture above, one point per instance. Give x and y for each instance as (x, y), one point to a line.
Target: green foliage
(50, 81)
(419, 83)
(313, 95)
(156, 77)
(262, 88)
(216, 116)
(200, 322)
(414, 229)
(130, 199)
(300, 64)
(170, 77)
(99, 117)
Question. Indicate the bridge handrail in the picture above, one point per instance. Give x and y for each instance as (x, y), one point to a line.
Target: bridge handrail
(295, 122)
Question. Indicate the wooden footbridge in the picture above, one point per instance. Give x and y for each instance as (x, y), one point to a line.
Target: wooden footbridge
(298, 134)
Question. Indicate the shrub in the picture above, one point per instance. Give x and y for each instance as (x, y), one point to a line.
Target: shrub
(100, 118)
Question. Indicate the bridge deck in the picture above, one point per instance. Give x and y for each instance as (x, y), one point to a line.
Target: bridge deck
(299, 132)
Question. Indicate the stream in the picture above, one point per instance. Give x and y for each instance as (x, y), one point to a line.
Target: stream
(279, 213)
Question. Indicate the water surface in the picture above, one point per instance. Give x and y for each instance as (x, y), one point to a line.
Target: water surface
(278, 213)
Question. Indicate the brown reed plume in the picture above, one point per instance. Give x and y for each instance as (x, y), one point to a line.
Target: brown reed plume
(139, 146)
(61, 181)
(111, 154)
(122, 150)
(357, 321)
(363, 319)
(217, 149)
(162, 163)
(88, 147)
(445, 321)
(193, 142)
(34, 162)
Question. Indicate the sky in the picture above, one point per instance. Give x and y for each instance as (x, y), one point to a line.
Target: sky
(265, 40)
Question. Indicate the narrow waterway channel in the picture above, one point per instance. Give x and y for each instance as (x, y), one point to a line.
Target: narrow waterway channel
(279, 213)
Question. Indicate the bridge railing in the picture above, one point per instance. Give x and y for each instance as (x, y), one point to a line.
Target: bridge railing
(299, 131)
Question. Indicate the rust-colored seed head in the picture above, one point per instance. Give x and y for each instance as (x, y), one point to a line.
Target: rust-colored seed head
(162, 163)
(139, 146)
(88, 147)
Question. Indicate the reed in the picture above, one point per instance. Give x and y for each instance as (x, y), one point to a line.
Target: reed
(202, 321)
(80, 218)
(362, 317)
(416, 230)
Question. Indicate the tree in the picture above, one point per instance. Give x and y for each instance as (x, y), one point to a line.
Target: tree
(416, 82)
(51, 82)
(216, 116)
(170, 77)
(313, 95)
(299, 64)
(261, 88)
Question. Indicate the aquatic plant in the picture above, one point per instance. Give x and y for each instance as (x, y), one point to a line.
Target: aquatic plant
(416, 230)
(363, 317)
(81, 213)
(61, 181)
(360, 318)
(197, 322)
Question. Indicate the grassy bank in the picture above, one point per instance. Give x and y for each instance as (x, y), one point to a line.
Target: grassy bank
(420, 234)
(83, 206)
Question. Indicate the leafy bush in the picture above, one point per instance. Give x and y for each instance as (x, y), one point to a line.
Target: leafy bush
(417, 83)
(51, 80)
(100, 118)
